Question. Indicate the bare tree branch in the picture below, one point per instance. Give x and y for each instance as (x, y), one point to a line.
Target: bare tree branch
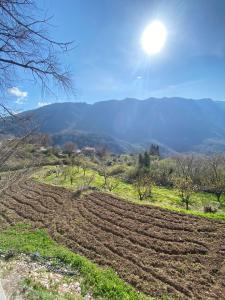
(25, 44)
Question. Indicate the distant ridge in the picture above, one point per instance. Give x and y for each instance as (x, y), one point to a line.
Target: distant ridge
(177, 124)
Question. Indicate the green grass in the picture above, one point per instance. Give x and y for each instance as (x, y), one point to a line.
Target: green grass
(163, 197)
(169, 199)
(103, 283)
(61, 181)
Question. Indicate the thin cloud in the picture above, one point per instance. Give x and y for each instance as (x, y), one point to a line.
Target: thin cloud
(19, 94)
(40, 104)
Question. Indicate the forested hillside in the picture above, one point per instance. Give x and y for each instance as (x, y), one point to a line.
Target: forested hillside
(176, 124)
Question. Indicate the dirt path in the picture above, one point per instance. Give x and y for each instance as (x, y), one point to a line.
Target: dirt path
(58, 281)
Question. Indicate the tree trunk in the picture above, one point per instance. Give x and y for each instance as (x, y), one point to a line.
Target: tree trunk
(218, 195)
(187, 203)
(140, 196)
(105, 180)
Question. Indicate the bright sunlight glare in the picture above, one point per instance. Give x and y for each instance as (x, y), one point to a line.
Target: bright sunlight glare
(154, 37)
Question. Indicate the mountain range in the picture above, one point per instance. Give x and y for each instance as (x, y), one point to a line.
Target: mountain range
(176, 124)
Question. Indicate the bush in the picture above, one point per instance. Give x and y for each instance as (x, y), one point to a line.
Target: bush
(109, 163)
(50, 172)
(131, 175)
(117, 170)
(209, 209)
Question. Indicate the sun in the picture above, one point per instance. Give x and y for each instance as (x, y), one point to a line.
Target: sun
(154, 37)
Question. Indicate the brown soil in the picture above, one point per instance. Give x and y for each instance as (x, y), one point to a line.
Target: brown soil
(157, 251)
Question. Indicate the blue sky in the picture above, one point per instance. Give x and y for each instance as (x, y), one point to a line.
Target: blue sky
(108, 61)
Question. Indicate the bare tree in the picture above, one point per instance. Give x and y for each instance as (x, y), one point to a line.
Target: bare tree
(69, 148)
(26, 48)
(46, 140)
(103, 171)
(213, 180)
(26, 45)
(85, 164)
(184, 166)
(87, 180)
(71, 172)
(102, 153)
(185, 188)
(143, 184)
(184, 176)
(112, 183)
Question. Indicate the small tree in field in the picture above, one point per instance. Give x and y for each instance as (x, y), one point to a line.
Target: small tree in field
(185, 188)
(85, 164)
(84, 167)
(87, 180)
(103, 171)
(143, 184)
(112, 183)
(70, 172)
(184, 177)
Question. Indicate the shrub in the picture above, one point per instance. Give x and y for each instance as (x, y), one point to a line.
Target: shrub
(209, 209)
(131, 175)
(117, 170)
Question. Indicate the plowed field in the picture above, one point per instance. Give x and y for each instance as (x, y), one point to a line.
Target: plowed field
(157, 251)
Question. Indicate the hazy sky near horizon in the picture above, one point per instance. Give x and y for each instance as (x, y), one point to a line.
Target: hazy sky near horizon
(108, 61)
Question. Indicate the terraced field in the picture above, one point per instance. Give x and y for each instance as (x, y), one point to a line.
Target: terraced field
(157, 251)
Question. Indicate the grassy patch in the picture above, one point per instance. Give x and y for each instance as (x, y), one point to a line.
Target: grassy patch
(103, 283)
(34, 290)
(65, 182)
(163, 197)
